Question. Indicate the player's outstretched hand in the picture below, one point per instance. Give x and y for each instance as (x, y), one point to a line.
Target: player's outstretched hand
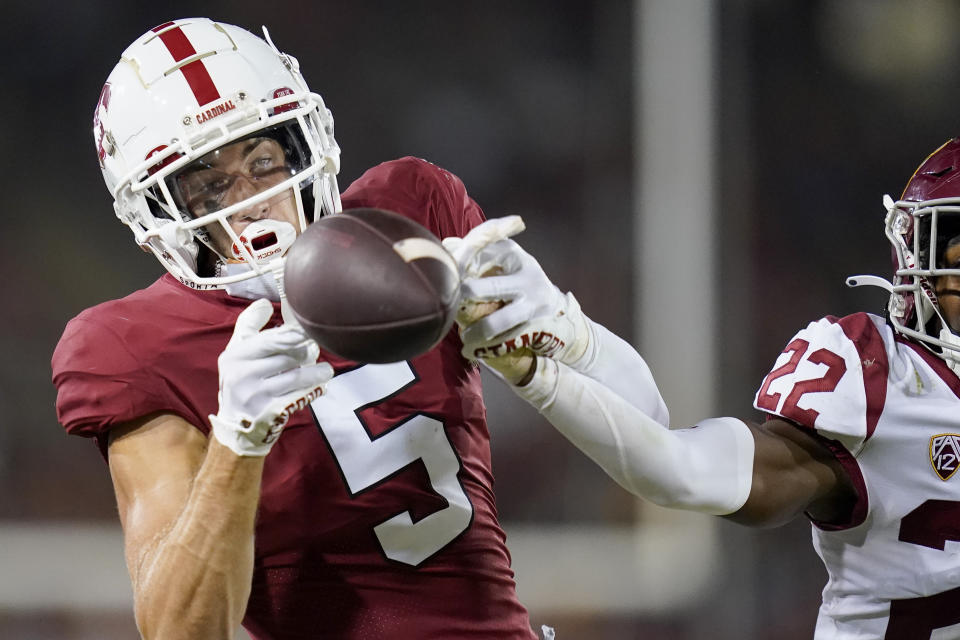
(525, 310)
(468, 250)
(537, 316)
(265, 376)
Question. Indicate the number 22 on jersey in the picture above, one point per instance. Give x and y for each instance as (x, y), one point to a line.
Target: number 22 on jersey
(836, 367)
(366, 460)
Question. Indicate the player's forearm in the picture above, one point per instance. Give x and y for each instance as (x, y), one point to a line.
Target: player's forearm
(705, 468)
(195, 580)
(608, 359)
(614, 363)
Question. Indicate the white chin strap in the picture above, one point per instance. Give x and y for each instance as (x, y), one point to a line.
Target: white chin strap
(951, 357)
(261, 286)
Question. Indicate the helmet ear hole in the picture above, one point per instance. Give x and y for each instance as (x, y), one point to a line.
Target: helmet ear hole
(179, 240)
(174, 235)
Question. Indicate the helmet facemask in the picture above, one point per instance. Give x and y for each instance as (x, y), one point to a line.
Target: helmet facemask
(920, 233)
(270, 166)
(192, 201)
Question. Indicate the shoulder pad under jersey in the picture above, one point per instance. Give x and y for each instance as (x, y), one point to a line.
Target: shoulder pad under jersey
(832, 377)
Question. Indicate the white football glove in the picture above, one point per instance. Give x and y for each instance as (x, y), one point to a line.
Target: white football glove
(265, 376)
(467, 250)
(537, 315)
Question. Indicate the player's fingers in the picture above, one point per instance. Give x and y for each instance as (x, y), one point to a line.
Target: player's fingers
(490, 288)
(299, 380)
(496, 325)
(260, 367)
(493, 230)
(452, 244)
(252, 319)
(481, 236)
(295, 341)
(309, 352)
(461, 252)
(503, 256)
(281, 339)
(297, 355)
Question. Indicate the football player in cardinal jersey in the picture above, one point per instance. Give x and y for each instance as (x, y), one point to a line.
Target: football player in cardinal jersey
(258, 479)
(862, 434)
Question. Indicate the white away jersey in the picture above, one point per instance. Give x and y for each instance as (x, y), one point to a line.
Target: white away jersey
(890, 410)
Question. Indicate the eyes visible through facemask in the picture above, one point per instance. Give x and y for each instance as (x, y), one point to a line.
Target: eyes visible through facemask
(204, 186)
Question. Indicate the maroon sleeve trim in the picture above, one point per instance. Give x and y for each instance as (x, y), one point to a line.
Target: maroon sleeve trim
(858, 511)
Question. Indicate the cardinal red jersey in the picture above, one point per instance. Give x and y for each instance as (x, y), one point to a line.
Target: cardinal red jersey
(377, 516)
(890, 410)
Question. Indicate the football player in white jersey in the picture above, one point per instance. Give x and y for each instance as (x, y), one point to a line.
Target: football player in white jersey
(863, 428)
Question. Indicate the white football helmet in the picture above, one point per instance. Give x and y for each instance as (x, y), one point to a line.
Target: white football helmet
(183, 90)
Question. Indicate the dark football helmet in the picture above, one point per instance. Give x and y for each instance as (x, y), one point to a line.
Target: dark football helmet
(919, 225)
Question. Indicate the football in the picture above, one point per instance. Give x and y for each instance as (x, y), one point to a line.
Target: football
(371, 285)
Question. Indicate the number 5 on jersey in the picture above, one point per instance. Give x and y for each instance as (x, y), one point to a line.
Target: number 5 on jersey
(366, 461)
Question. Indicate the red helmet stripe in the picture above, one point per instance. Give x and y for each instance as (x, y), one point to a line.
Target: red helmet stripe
(195, 72)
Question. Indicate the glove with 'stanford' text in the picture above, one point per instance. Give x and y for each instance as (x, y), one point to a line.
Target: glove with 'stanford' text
(265, 376)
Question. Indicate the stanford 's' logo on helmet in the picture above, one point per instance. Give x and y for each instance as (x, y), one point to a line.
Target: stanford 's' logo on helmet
(945, 454)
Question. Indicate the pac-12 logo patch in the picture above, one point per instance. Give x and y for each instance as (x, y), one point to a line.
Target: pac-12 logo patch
(945, 454)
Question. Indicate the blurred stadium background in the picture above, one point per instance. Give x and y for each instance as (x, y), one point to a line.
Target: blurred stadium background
(703, 174)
